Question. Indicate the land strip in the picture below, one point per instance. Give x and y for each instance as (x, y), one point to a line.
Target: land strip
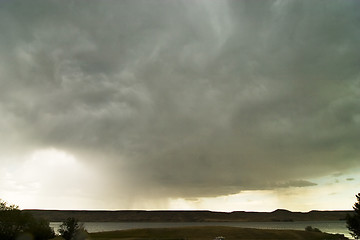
(210, 233)
(188, 216)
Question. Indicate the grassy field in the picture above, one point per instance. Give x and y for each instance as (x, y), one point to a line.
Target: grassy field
(209, 233)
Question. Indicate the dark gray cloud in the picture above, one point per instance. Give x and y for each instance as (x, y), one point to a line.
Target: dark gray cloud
(295, 183)
(185, 99)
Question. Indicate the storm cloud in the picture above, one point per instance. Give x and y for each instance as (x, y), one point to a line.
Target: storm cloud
(184, 98)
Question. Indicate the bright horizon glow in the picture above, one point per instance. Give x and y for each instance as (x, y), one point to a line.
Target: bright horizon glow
(48, 179)
(47, 166)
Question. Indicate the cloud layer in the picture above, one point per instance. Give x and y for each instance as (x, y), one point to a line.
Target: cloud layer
(183, 99)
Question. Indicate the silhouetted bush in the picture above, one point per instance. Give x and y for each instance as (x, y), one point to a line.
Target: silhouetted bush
(311, 229)
(353, 221)
(70, 229)
(14, 223)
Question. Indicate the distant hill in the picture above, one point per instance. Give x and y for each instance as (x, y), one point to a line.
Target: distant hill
(279, 215)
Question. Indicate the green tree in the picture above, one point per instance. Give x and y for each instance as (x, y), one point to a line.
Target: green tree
(70, 229)
(14, 223)
(353, 221)
(10, 221)
(39, 229)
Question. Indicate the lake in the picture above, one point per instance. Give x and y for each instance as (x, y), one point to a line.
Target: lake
(325, 226)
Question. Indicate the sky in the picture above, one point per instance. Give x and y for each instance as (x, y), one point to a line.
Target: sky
(150, 104)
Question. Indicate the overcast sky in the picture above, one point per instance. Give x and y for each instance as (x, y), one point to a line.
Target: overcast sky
(220, 105)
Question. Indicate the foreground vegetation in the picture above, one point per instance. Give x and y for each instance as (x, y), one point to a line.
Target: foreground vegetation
(209, 233)
(18, 225)
(353, 220)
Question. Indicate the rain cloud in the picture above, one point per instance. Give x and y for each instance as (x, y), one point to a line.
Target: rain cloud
(180, 99)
